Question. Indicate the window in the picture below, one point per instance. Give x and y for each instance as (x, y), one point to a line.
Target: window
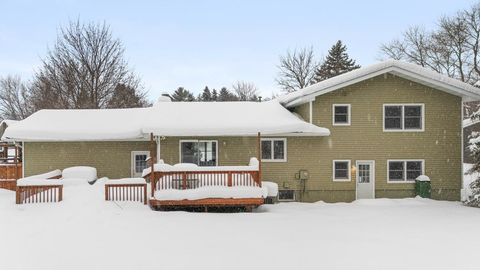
(403, 117)
(139, 162)
(341, 114)
(274, 150)
(286, 195)
(200, 152)
(404, 170)
(341, 170)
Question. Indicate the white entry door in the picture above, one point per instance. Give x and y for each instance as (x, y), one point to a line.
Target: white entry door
(365, 179)
(139, 162)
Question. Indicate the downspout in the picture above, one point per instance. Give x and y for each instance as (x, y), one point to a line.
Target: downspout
(23, 159)
(462, 190)
(259, 156)
(158, 147)
(310, 112)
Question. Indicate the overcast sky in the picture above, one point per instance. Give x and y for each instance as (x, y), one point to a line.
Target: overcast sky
(214, 43)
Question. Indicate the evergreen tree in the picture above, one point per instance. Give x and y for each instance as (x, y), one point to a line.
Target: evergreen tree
(125, 96)
(337, 62)
(206, 95)
(214, 95)
(474, 145)
(182, 94)
(226, 95)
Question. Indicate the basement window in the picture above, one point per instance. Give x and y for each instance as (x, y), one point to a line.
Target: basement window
(286, 195)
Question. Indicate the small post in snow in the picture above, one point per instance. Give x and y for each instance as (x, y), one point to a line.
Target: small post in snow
(259, 156)
(152, 162)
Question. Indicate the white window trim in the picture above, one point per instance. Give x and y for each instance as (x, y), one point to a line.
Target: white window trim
(349, 116)
(403, 117)
(349, 170)
(190, 140)
(132, 160)
(404, 170)
(286, 200)
(284, 149)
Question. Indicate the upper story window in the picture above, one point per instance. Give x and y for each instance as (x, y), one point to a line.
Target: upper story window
(200, 152)
(403, 117)
(341, 114)
(274, 150)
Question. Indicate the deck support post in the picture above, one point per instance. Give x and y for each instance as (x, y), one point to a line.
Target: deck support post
(152, 163)
(259, 157)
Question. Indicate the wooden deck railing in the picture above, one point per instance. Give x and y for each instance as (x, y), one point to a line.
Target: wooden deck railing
(196, 179)
(126, 192)
(10, 171)
(39, 194)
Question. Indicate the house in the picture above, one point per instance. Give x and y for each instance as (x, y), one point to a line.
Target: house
(364, 134)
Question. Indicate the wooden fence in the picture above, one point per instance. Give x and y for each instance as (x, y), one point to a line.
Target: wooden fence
(126, 192)
(39, 194)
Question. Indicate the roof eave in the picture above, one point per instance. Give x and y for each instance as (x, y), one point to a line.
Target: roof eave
(452, 89)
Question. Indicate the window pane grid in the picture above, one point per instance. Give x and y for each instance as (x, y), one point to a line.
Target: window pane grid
(341, 114)
(403, 117)
(404, 171)
(393, 117)
(202, 153)
(341, 170)
(140, 163)
(273, 149)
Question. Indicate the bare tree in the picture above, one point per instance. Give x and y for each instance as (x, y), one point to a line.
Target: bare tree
(245, 91)
(14, 99)
(83, 69)
(452, 48)
(296, 69)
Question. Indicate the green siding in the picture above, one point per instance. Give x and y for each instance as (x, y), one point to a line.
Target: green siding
(439, 145)
(112, 159)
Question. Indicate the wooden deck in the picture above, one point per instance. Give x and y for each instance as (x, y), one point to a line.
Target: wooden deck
(248, 204)
(191, 180)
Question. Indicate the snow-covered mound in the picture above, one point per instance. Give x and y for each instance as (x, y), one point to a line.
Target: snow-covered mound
(52, 174)
(272, 188)
(79, 173)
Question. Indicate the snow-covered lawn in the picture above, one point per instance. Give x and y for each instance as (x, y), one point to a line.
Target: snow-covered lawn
(84, 232)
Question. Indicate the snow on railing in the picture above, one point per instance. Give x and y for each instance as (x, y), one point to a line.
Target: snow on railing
(191, 176)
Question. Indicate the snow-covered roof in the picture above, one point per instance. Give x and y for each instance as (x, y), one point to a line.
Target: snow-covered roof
(226, 119)
(402, 69)
(163, 119)
(71, 125)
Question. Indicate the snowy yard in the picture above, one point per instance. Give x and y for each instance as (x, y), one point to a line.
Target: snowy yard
(84, 232)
